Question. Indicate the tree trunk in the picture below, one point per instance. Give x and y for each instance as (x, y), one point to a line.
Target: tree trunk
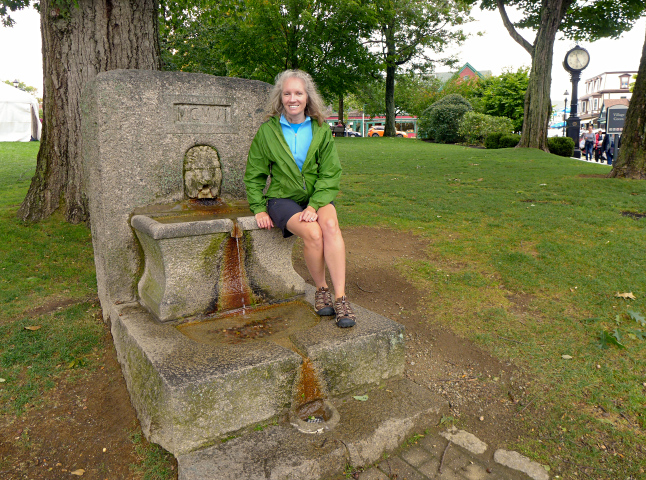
(538, 106)
(341, 108)
(96, 36)
(390, 130)
(631, 162)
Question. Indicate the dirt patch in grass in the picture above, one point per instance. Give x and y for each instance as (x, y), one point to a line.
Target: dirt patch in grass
(635, 215)
(56, 304)
(476, 384)
(86, 423)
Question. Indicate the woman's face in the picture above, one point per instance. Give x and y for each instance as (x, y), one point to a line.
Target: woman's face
(590, 129)
(294, 99)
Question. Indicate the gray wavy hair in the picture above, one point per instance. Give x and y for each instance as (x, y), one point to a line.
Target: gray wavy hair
(315, 107)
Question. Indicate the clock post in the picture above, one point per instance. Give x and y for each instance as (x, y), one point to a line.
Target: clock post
(575, 61)
(573, 124)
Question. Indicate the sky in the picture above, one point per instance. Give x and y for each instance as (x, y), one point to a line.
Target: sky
(20, 52)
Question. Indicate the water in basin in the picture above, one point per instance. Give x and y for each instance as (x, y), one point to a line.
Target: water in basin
(194, 210)
(273, 323)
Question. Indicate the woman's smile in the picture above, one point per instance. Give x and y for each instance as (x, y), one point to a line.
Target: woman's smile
(294, 100)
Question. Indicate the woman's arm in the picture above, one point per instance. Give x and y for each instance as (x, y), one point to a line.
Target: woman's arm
(256, 173)
(329, 173)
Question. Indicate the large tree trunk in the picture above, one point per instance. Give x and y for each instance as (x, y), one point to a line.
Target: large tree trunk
(538, 105)
(340, 113)
(390, 130)
(391, 69)
(631, 162)
(96, 36)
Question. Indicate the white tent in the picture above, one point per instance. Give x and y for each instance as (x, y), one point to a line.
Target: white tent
(19, 120)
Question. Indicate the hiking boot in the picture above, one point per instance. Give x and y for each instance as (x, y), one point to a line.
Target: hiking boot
(323, 302)
(345, 317)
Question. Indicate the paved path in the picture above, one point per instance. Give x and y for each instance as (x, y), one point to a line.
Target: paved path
(451, 455)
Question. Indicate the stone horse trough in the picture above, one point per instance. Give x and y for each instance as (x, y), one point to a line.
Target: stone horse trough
(214, 329)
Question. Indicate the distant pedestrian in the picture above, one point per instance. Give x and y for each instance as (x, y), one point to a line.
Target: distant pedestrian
(608, 147)
(589, 138)
(597, 146)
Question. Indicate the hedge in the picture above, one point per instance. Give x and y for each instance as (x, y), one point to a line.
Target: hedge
(475, 127)
(441, 121)
(509, 141)
(563, 146)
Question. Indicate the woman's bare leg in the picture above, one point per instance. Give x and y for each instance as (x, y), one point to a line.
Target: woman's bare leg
(333, 247)
(312, 237)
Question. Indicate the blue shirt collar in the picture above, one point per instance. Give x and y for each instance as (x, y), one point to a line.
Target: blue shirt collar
(284, 121)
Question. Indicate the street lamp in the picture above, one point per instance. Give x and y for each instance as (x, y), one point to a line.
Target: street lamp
(16, 83)
(564, 110)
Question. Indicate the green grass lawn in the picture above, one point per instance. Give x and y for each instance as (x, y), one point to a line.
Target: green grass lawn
(510, 224)
(502, 225)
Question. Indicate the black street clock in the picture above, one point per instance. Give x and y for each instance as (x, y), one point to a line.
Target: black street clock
(576, 59)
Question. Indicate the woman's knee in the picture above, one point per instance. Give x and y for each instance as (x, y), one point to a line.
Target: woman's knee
(312, 234)
(329, 227)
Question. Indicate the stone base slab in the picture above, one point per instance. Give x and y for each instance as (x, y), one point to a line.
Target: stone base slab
(189, 394)
(367, 429)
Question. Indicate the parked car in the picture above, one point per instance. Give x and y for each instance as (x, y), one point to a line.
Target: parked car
(350, 133)
(378, 131)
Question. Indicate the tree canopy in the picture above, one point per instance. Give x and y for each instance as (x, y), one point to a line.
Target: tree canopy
(503, 96)
(258, 39)
(577, 20)
(414, 32)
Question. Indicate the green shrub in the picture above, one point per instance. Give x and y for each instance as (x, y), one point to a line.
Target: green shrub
(563, 146)
(441, 121)
(493, 140)
(509, 141)
(475, 126)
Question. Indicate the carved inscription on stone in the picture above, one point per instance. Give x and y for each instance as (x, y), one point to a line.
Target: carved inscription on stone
(206, 114)
(202, 172)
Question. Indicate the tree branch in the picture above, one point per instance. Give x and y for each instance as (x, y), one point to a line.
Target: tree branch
(512, 30)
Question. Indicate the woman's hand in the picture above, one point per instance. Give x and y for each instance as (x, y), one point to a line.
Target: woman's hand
(264, 220)
(308, 215)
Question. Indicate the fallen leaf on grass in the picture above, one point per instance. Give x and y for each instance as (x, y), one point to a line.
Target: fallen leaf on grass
(566, 357)
(33, 327)
(361, 398)
(78, 472)
(636, 334)
(638, 317)
(606, 339)
(2, 380)
(626, 295)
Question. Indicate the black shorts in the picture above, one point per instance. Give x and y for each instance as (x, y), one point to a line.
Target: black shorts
(281, 210)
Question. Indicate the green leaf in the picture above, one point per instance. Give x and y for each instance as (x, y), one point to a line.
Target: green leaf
(638, 317)
(606, 339)
(361, 398)
(637, 333)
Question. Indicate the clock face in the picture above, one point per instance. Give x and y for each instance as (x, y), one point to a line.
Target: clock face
(577, 59)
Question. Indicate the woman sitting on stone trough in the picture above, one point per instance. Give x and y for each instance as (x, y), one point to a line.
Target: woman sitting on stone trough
(295, 147)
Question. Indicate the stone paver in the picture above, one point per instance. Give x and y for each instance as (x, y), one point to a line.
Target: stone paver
(522, 463)
(416, 456)
(465, 440)
(422, 461)
(397, 466)
(475, 472)
(373, 474)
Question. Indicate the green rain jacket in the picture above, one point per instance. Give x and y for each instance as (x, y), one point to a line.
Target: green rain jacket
(269, 155)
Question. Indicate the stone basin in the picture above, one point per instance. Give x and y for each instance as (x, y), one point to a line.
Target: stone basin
(189, 393)
(186, 260)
